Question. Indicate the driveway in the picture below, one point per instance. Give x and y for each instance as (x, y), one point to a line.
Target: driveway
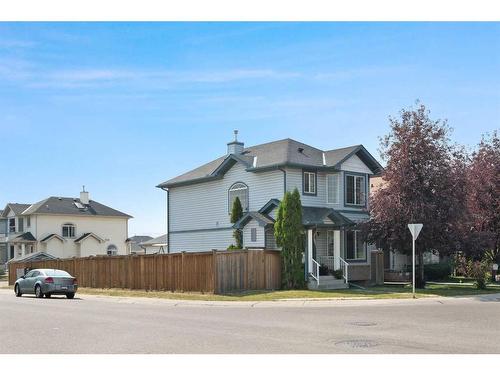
(92, 324)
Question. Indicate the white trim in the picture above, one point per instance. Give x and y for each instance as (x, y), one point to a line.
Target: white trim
(309, 175)
(255, 162)
(324, 159)
(310, 250)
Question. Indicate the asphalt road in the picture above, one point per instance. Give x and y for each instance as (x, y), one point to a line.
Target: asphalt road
(107, 325)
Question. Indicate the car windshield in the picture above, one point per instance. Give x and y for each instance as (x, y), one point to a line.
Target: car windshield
(57, 273)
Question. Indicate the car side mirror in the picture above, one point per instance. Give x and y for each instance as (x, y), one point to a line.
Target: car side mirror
(23, 276)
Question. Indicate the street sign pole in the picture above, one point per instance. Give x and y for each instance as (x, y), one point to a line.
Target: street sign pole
(415, 231)
(413, 273)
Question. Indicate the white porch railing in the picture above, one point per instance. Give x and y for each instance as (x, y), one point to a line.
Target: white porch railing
(344, 266)
(315, 271)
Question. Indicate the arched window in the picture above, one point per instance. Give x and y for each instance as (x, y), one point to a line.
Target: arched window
(112, 250)
(239, 190)
(68, 230)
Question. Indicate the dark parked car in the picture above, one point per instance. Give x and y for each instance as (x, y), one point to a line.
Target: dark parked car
(46, 282)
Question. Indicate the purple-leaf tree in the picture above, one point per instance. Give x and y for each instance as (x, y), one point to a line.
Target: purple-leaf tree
(424, 182)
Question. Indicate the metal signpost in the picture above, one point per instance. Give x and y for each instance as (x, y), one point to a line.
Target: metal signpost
(415, 231)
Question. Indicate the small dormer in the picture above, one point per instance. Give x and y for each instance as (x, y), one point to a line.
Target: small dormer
(235, 147)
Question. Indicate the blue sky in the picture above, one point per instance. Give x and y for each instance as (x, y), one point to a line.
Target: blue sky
(121, 107)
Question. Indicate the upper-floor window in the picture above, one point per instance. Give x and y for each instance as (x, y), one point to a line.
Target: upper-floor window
(69, 231)
(333, 188)
(355, 190)
(239, 190)
(309, 183)
(12, 225)
(28, 221)
(20, 224)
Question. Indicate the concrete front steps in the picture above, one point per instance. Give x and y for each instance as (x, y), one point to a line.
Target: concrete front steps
(327, 283)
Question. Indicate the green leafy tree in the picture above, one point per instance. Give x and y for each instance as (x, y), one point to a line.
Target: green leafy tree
(289, 233)
(236, 215)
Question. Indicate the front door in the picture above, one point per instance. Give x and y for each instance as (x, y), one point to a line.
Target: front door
(333, 248)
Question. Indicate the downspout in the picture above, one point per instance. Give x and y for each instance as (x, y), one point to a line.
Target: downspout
(168, 219)
(284, 179)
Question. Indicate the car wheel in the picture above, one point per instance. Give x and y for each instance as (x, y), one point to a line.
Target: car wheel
(17, 290)
(70, 295)
(38, 291)
(48, 295)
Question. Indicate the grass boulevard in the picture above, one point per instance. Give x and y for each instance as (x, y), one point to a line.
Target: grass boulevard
(380, 292)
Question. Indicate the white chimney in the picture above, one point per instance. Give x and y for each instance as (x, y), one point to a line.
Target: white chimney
(235, 147)
(84, 196)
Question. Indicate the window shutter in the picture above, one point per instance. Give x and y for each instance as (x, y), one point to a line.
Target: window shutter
(20, 223)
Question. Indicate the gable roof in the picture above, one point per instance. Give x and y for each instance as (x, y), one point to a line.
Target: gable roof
(317, 216)
(273, 155)
(66, 206)
(50, 236)
(262, 219)
(84, 236)
(17, 208)
(39, 255)
(25, 237)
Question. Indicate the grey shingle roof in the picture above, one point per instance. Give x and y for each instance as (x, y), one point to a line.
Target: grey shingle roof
(66, 206)
(161, 240)
(285, 152)
(139, 239)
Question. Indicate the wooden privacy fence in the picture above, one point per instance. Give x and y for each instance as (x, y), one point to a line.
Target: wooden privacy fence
(206, 272)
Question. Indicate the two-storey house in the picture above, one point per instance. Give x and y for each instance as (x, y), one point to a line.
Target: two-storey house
(334, 188)
(63, 228)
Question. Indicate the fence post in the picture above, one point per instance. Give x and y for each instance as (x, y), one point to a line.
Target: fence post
(182, 271)
(214, 271)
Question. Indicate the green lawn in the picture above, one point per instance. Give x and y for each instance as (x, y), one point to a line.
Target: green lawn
(382, 292)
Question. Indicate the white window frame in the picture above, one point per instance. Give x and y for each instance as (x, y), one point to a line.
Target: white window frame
(71, 231)
(238, 186)
(113, 251)
(356, 203)
(310, 176)
(253, 234)
(337, 175)
(12, 227)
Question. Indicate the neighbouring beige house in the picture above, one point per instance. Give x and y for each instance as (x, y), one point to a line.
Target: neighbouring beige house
(63, 228)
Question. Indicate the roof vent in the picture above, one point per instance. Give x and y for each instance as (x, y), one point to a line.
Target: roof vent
(301, 150)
